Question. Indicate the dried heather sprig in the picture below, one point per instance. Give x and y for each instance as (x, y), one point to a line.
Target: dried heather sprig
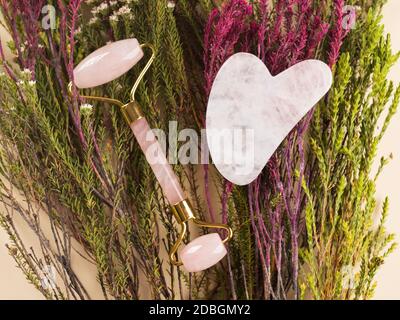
(284, 35)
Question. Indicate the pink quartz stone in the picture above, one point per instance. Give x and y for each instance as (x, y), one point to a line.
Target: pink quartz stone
(107, 63)
(203, 252)
(155, 156)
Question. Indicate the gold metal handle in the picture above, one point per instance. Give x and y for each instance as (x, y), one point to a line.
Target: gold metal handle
(173, 254)
(102, 99)
(143, 72)
(216, 226)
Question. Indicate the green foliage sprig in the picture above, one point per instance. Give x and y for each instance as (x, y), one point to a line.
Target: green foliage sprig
(343, 247)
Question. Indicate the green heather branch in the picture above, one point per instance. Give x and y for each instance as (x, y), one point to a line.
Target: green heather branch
(343, 250)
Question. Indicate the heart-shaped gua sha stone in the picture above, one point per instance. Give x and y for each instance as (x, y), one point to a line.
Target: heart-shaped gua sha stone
(250, 112)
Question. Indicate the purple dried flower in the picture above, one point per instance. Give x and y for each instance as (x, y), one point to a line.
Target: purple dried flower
(223, 31)
(282, 35)
(337, 33)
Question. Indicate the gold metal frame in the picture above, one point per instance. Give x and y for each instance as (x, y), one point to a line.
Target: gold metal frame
(131, 110)
(182, 211)
(146, 67)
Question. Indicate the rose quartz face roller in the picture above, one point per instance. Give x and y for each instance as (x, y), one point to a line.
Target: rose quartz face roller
(108, 63)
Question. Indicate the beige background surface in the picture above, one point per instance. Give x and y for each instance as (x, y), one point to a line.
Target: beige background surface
(13, 285)
(388, 184)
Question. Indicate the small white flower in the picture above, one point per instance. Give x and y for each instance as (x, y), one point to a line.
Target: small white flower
(20, 82)
(114, 18)
(86, 109)
(171, 4)
(93, 20)
(113, 3)
(31, 82)
(101, 8)
(124, 10)
(86, 106)
(27, 71)
(78, 31)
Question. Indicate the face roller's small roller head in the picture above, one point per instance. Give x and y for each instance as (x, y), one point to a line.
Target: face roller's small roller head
(203, 252)
(107, 63)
